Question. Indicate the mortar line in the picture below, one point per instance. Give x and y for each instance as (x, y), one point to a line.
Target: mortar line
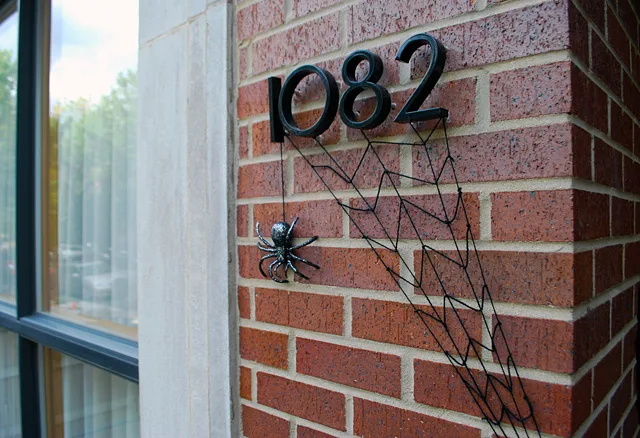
(413, 353)
(467, 17)
(534, 60)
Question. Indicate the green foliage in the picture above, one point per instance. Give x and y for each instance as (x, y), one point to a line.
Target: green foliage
(92, 161)
(8, 74)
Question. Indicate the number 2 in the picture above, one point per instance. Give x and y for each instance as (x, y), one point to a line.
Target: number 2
(411, 111)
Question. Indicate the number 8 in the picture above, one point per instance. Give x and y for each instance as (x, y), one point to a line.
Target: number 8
(355, 87)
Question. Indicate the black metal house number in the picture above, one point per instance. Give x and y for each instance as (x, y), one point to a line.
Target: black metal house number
(281, 96)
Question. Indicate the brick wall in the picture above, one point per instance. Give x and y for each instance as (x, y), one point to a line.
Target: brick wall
(544, 104)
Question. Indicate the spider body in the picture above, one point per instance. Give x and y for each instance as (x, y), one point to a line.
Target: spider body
(282, 251)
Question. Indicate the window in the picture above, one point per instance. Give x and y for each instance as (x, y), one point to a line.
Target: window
(8, 83)
(68, 299)
(89, 165)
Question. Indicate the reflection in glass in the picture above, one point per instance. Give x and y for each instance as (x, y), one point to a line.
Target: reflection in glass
(8, 82)
(84, 401)
(89, 165)
(9, 386)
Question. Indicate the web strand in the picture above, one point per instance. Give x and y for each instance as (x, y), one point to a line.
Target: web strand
(494, 385)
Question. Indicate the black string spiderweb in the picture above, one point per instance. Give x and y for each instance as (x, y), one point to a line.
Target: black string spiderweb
(388, 218)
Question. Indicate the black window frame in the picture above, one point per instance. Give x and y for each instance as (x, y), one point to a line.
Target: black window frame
(35, 329)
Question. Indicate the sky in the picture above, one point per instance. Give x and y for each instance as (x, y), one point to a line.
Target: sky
(91, 42)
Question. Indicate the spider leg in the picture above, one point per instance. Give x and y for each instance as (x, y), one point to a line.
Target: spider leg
(300, 259)
(262, 239)
(265, 249)
(286, 269)
(273, 272)
(268, 256)
(289, 264)
(290, 230)
(313, 239)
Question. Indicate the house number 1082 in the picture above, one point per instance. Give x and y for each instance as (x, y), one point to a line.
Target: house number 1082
(281, 96)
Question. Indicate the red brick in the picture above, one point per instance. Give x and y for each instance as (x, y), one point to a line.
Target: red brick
(248, 257)
(617, 37)
(320, 313)
(258, 424)
(621, 127)
(631, 176)
(557, 279)
(253, 99)
(533, 216)
(559, 409)
(636, 135)
(304, 7)
(244, 302)
(598, 428)
(606, 373)
(595, 12)
(635, 64)
(305, 432)
(629, 20)
(621, 311)
(591, 215)
(604, 64)
(355, 267)
(268, 348)
(262, 179)
(579, 34)
(538, 152)
(559, 215)
(243, 142)
(531, 91)
(591, 334)
(589, 101)
(369, 175)
(309, 402)
(511, 35)
(388, 209)
(259, 17)
(536, 343)
(313, 38)
(261, 134)
(245, 383)
(375, 18)
(242, 221)
(462, 92)
(398, 323)
(581, 155)
(630, 425)
(632, 259)
(631, 95)
(621, 217)
(368, 370)
(608, 165)
(620, 401)
(310, 223)
(630, 347)
(608, 267)
(375, 420)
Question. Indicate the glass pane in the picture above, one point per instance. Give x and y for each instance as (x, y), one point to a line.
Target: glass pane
(84, 401)
(9, 386)
(89, 192)
(8, 76)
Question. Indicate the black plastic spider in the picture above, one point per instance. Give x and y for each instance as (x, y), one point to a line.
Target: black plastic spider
(282, 251)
